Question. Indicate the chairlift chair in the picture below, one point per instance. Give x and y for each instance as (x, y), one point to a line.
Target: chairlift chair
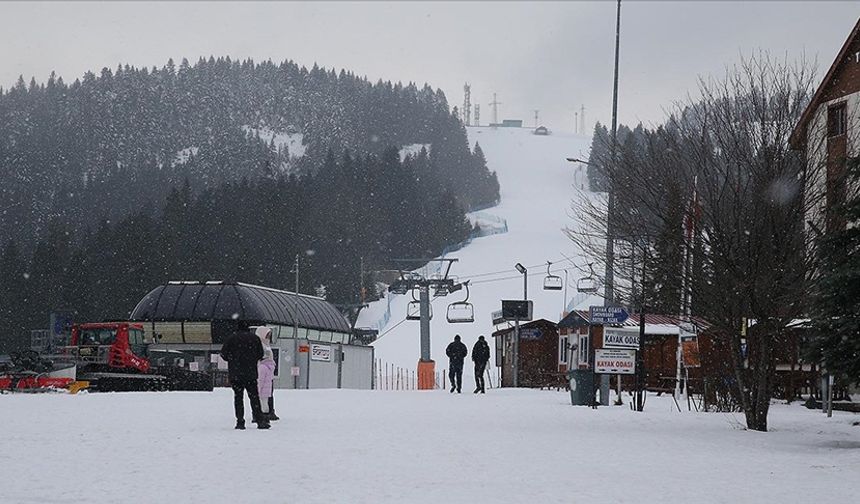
(587, 284)
(413, 309)
(461, 312)
(552, 282)
(398, 287)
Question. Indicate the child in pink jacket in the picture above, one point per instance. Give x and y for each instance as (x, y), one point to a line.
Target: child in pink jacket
(266, 373)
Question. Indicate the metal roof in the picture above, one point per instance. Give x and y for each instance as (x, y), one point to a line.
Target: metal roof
(199, 301)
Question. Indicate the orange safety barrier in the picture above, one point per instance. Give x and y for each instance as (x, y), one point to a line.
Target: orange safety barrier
(426, 375)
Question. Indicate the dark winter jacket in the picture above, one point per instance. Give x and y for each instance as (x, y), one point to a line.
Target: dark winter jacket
(242, 351)
(481, 352)
(456, 351)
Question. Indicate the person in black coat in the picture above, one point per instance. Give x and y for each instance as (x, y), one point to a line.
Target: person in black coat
(243, 351)
(480, 356)
(456, 352)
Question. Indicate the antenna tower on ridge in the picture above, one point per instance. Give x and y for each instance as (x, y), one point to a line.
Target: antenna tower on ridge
(495, 104)
(467, 104)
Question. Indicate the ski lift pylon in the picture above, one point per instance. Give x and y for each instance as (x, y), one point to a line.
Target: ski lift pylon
(587, 284)
(552, 282)
(461, 312)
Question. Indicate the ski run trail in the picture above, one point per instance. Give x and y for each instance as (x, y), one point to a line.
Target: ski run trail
(537, 187)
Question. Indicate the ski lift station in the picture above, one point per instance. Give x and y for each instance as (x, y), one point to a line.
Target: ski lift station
(312, 340)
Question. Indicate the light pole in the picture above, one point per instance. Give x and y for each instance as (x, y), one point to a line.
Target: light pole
(609, 285)
(525, 272)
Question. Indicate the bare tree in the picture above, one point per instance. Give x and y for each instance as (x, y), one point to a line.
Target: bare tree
(718, 184)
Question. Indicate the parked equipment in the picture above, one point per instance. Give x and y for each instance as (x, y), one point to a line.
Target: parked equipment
(30, 372)
(112, 357)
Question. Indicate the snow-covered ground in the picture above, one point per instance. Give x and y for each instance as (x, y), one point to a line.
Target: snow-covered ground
(509, 446)
(537, 185)
(293, 142)
(413, 149)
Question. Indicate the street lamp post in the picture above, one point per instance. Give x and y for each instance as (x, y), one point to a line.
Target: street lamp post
(525, 272)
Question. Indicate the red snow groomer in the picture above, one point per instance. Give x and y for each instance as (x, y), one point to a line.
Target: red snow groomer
(111, 356)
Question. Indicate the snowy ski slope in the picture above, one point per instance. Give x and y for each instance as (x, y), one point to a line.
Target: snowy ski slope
(537, 185)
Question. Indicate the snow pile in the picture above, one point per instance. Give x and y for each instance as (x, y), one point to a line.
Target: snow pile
(184, 155)
(290, 141)
(537, 185)
(413, 150)
(508, 446)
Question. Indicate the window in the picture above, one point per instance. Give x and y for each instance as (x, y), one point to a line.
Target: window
(562, 349)
(836, 120)
(97, 337)
(198, 332)
(583, 350)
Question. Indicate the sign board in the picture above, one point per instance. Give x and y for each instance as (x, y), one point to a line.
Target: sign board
(517, 309)
(532, 333)
(320, 352)
(690, 350)
(607, 314)
(304, 349)
(193, 366)
(294, 371)
(617, 337)
(614, 361)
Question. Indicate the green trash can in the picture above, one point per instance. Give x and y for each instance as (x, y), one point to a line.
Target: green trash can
(581, 387)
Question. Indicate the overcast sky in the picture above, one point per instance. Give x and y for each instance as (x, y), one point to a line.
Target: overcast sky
(552, 56)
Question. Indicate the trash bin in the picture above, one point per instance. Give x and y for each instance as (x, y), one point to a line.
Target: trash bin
(581, 387)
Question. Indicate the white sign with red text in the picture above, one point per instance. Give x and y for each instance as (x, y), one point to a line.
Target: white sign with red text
(614, 361)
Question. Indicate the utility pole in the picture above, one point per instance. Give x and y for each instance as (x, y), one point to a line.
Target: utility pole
(296, 322)
(537, 114)
(582, 118)
(576, 123)
(640, 352)
(477, 114)
(525, 273)
(495, 104)
(361, 291)
(609, 283)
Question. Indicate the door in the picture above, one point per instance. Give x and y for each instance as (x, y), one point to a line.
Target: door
(356, 367)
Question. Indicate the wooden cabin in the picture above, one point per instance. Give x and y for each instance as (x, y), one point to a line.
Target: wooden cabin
(538, 355)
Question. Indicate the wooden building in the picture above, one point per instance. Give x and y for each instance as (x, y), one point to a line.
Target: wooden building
(538, 354)
(829, 133)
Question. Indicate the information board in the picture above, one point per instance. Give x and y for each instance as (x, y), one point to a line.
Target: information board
(614, 361)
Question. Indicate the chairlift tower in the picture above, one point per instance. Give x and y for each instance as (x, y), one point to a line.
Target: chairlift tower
(477, 114)
(442, 285)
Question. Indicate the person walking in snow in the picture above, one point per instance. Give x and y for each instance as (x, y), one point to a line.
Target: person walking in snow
(480, 356)
(266, 374)
(456, 352)
(242, 351)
